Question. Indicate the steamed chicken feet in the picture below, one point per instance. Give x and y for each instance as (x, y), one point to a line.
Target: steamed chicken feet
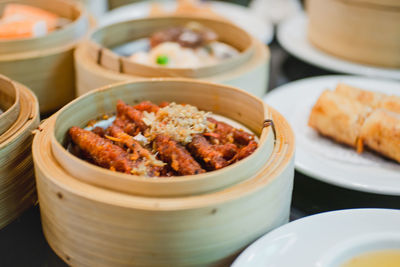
(145, 163)
(203, 150)
(128, 126)
(224, 133)
(132, 114)
(163, 140)
(147, 106)
(103, 152)
(176, 155)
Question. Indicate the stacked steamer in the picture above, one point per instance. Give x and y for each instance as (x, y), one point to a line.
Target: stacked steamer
(95, 7)
(19, 116)
(363, 31)
(117, 3)
(45, 63)
(96, 217)
(98, 64)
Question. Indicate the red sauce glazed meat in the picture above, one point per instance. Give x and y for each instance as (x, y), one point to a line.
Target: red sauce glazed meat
(103, 152)
(176, 155)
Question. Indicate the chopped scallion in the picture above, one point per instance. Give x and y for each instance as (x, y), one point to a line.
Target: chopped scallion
(162, 60)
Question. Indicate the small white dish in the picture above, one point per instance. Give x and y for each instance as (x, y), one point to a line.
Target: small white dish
(242, 16)
(292, 35)
(323, 159)
(325, 240)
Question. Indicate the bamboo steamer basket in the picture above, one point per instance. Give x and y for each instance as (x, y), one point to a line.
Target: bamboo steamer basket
(117, 3)
(363, 31)
(17, 184)
(45, 63)
(9, 104)
(96, 7)
(220, 100)
(89, 225)
(97, 65)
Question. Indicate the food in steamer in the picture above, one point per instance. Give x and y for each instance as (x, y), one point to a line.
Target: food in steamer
(189, 46)
(25, 21)
(162, 141)
(359, 118)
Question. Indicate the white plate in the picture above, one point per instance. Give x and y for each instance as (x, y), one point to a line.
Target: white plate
(325, 240)
(324, 159)
(240, 15)
(292, 35)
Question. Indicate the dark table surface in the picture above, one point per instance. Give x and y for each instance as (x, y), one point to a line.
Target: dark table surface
(22, 242)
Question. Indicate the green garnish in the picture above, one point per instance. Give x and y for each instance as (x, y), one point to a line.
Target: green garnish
(162, 60)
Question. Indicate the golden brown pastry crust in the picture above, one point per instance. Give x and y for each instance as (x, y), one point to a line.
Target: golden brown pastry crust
(337, 117)
(371, 99)
(368, 98)
(381, 132)
(357, 117)
(391, 103)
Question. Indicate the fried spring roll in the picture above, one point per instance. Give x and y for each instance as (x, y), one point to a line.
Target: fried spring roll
(132, 114)
(337, 117)
(176, 156)
(102, 151)
(391, 103)
(369, 98)
(203, 150)
(147, 106)
(381, 133)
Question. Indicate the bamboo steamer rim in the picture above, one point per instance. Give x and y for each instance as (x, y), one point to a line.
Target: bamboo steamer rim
(37, 53)
(95, 7)
(390, 5)
(106, 58)
(132, 183)
(283, 156)
(29, 113)
(10, 94)
(85, 64)
(38, 46)
(17, 185)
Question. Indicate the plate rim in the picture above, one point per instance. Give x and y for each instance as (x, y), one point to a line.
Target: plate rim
(279, 231)
(324, 177)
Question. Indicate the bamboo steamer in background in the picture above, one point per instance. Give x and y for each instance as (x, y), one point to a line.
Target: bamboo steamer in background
(9, 104)
(364, 31)
(45, 64)
(88, 225)
(17, 184)
(117, 3)
(95, 7)
(97, 65)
